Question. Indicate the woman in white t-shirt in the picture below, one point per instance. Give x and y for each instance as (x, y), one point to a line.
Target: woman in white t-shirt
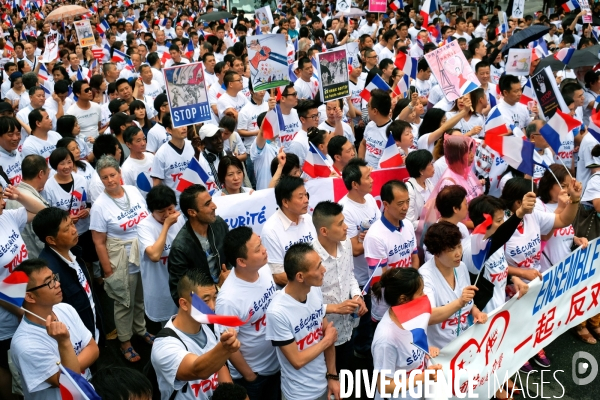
(138, 108)
(80, 167)
(69, 192)
(448, 286)
(114, 219)
(435, 124)
(472, 123)
(68, 126)
(231, 175)
(523, 250)
(17, 96)
(392, 346)
(419, 165)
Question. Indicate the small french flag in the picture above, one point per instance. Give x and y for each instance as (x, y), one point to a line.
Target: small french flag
(47, 92)
(557, 129)
(118, 56)
(273, 123)
(146, 26)
(202, 313)
(480, 247)
(414, 317)
(466, 86)
(190, 50)
(43, 72)
(166, 56)
(527, 93)
(376, 83)
(391, 157)
(494, 124)
(376, 268)
(193, 174)
(13, 288)
(428, 7)
(73, 386)
(407, 64)
(564, 55)
(570, 5)
(316, 164)
(9, 46)
(396, 5)
(517, 153)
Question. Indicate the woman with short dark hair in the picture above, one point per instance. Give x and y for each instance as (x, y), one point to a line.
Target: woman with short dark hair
(419, 165)
(231, 175)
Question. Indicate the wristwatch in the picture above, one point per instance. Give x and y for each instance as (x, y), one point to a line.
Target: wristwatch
(332, 376)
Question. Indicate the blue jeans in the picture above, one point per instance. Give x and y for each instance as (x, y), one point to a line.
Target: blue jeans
(263, 387)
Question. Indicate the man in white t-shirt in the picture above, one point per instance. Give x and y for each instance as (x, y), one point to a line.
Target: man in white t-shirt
(360, 212)
(289, 225)
(151, 87)
(37, 99)
(389, 243)
(42, 140)
(135, 171)
(375, 137)
(188, 357)
(291, 121)
(247, 293)
(514, 113)
(306, 85)
(298, 328)
(233, 96)
(461, 27)
(88, 113)
(542, 156)
(38, 346)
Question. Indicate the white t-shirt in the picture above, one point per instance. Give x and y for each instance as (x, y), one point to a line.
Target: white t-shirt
(346, 128)
(277, 239)
(234, 144)
(88, 119)
(299, 146)
(11, 164)
(592, 189)
(375, 141)
(262, 163)
(559, 245)
(226, 101)
(291, 321)
(35, 145)
(423, 87)
(250, 300)
(546, 158)
(107, 217)
(247, 120)
(152, 90)
(157, 136)
(394, 247)
(585, 158)
(137, 173)
(354, 214)
(523, 249)
(307, 90)
(51, 105)
(516, 115)
(23, 98)
(169, 165)
(167, 355)
(73, 201)
(393, 350)
(12, 253)
(155, 276)
(37, 359)
(292, 126)
(440, 294)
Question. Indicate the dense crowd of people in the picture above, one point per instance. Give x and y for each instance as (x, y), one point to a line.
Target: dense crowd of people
(91, 204)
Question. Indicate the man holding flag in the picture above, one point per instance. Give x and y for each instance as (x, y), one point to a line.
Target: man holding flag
(38, 346)
(187, 356)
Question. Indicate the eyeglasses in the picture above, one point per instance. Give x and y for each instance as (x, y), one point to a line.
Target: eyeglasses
(290, 94)
(314, 116)
(237, 80)
(87, 90)
(51, 283)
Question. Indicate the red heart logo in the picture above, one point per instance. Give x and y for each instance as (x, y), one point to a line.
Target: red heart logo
(470, 353)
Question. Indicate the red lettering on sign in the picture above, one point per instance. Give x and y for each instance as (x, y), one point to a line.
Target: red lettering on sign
(544, 326)
(19, 258)
(576, 307)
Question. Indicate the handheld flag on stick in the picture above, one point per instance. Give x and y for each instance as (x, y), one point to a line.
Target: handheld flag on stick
(316, 164)
(375, 276)
(391, 157)
(74, 386)
(203, 314)
(273, 123)
(480, 247)
(193, 174)
(414, 317)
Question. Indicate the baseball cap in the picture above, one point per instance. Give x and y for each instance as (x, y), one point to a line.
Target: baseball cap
(208, 130)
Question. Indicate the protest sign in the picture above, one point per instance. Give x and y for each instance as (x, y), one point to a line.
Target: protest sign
(518, 62)
(471, 8)
(353, 54)
(515, 332)
(268, 61)
(186, 93)
(452, 71)
(333, 74)
(85, 35)
(254, 209)
(342, 5)
(518, 8)
(263, 17)
(585, 6)
(377, 6)
(51, 49)
(546, 90)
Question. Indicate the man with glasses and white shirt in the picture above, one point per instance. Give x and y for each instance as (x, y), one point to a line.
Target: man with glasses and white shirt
(233, 96)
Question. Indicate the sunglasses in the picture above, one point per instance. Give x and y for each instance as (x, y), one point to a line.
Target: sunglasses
(87, 90)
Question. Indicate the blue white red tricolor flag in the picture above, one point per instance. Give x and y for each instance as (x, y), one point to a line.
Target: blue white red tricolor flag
(13, 288)
(429, 6)
(494, 124)
(376, 83)
(193, 174)
(273, 123)
(594, 126)
(517, 152)
(43, 72)
(407, 64)
(73, 386)
(202, 313)
(570, 5)
(118, 56)
(527, 93)
(414, 317)
(480, 247)
(316, 164)
(376, 268)
(390, 158)
(396, 5)
(557, 129)
(564, 55)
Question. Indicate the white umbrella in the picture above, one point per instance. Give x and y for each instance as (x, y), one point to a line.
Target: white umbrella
(350, 13)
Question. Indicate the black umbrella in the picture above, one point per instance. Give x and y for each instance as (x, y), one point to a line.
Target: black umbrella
(216, 16)
(525, 36)
(570, 17)
(587, 57)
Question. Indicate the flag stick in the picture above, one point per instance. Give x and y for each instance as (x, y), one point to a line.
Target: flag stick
(563, 163)
(35, 315)
(555, 178)
(532, 189)
(423, 350)
(479, 274)
(370, 278)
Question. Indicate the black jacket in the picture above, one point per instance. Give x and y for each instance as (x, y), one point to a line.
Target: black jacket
(186, 253)
(72, 290)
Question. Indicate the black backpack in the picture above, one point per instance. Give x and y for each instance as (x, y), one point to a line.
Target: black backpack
(150, 373)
